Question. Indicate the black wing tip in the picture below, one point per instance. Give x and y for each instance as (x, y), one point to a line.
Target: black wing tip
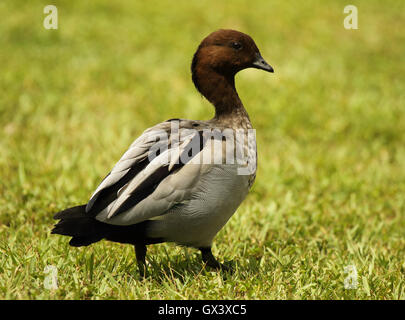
(72, 212)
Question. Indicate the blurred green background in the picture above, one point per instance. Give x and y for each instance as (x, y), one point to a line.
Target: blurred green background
(330, 187)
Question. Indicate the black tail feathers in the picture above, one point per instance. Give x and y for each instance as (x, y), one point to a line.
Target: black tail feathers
(85, 229)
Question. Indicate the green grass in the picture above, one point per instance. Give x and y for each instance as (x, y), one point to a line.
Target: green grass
(330, 188)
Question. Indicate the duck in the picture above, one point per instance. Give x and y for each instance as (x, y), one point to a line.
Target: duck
(181, 180)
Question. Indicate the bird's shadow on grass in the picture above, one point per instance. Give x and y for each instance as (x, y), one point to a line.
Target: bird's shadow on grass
(183, 270)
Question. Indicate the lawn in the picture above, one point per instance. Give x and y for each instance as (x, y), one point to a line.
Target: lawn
(330, 187)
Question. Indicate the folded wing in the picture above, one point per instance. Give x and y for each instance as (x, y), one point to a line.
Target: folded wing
(142, 184)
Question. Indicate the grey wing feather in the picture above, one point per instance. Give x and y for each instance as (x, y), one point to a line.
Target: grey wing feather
(137, 152)
(157, 186)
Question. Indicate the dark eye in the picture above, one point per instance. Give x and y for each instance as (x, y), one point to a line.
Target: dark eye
(236, 45)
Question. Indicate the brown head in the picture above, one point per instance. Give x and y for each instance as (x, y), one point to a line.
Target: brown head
(218, 58)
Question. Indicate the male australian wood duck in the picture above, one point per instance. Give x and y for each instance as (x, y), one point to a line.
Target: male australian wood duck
(181, 180)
